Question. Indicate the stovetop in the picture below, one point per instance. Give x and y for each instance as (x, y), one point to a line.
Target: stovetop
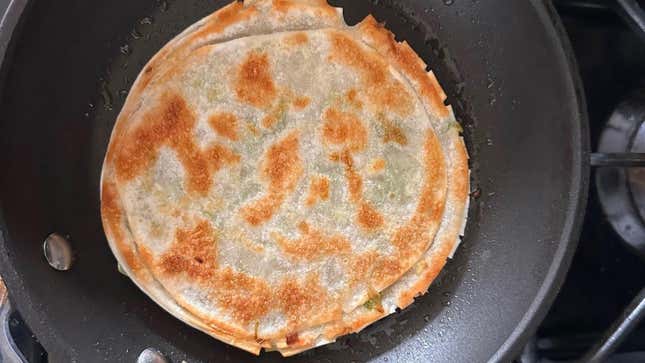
(605, 275)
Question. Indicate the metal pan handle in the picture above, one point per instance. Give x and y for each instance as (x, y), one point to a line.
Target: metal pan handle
(622, 327)
(627, 160)
(633, 14)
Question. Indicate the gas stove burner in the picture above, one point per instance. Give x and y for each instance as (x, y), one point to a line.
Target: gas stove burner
(622, 190)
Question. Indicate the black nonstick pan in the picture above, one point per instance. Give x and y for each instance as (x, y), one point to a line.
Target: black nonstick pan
(508, 71)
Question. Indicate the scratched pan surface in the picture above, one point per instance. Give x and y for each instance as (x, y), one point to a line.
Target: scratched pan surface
(507, 72)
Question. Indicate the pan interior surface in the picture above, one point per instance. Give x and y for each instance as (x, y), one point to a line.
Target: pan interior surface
(507, 76)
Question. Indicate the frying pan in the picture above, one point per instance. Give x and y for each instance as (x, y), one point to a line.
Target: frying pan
(509, 74)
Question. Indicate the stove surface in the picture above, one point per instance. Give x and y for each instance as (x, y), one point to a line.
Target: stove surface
(605, 275)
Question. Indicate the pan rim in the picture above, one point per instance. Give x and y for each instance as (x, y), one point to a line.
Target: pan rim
(578, 195)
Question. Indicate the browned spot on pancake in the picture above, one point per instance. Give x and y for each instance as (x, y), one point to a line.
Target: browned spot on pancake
(344, 128)
(193, 252)
(377, 165)
(261, 210)
(171, 124)
(318, 190)
(195, 165)
(139, 147)
(299, 300)
(111, 213)
(269, 121)
(282, 5)
(406, 59)
(368, 217)
(111, 209)
(130, 258)
(355, 184)
(298, 38)
(354, 180)
(319, 6)
(352, 98)
(292, 338)
(312, 243)
(145, 255)
(225, 124)
(385, 268)
(411, 235)
(393, 133)
(281, 168)
(301, 102)
(385, 93)
(433, 160)
(254, 83)
(462, 184)
(219, 155)
(248, 297)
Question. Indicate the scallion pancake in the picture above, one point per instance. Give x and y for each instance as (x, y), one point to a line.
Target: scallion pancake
(277, 178)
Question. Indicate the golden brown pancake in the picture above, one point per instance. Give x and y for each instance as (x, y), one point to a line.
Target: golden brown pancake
(277, 178)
